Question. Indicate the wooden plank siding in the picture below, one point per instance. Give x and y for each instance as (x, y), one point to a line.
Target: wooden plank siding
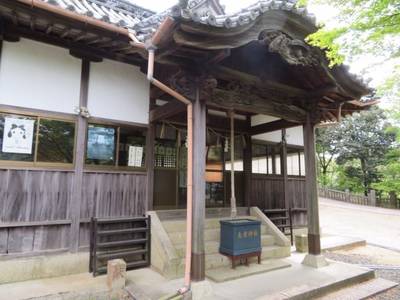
(268, 193)
(35, 206)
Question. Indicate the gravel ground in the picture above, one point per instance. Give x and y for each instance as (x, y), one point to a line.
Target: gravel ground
(370, 255)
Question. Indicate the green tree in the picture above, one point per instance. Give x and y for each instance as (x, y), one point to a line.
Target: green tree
(365, 139)
(358, 145)
(362, 28)
(326, 148)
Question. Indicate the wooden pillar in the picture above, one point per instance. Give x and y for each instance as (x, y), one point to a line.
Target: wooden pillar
(232, 140)
(273, 160)
(314, 243)
(284, 170)
(1, 47)
(299, 158)
(1, 38)
(199, 188)
(150, 140)
(79, 158)
(248, 167)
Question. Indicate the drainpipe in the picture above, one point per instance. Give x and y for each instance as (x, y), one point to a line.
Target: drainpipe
(164, 29)
(233, 196)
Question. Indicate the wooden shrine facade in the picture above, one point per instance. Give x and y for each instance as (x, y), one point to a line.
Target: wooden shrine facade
(255, 64)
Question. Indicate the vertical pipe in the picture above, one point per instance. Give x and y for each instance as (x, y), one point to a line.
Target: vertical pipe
(233, 195)
(189, 216)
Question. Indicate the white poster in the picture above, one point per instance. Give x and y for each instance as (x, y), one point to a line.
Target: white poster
(18, 135)
(135, 156)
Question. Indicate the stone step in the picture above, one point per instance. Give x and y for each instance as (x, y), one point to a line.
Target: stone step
(212, 247)
(226, 273)
(363, 290)
(209, 235)
(217, 260)
(180, 225)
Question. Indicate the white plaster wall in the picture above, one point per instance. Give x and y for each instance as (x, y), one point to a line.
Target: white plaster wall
(261, 119)
(39, 76)
(294, 136)
(118, 91)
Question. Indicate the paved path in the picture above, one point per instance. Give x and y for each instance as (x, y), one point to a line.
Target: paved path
(378, 226)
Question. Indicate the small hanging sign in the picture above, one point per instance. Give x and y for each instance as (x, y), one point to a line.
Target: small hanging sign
(18, 135)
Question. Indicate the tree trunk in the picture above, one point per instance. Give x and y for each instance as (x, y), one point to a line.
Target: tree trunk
(365, 175)
(393, 199)
(324, 175)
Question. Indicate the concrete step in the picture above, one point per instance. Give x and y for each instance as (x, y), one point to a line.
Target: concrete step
(226, 273)
(212, 247)
(216, 260)
(209, 235)
(180, 225)
(364, 290)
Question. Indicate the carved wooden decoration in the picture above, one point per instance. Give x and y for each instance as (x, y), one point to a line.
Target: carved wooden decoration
(293, 51)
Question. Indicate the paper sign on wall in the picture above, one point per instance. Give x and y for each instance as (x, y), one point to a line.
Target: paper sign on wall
(18, 135)
(135, 156)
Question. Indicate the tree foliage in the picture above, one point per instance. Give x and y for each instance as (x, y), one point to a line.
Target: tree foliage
(359, 145)
(372, 25)
(327, 146)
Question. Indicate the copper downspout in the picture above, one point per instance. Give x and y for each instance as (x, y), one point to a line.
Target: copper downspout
(164, 28)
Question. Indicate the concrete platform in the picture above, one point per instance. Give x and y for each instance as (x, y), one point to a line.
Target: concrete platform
(295, 282)
(227, 273)
(361, 291)
(335, 242)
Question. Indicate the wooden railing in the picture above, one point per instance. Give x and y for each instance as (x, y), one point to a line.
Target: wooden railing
(348, 197)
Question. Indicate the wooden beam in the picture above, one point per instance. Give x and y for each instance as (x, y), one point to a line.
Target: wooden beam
(167, 110)
(214, 122)
(229, 74)
(81, 54)
(272, 126)
(245, 101)
(79, 158)
(276, 91)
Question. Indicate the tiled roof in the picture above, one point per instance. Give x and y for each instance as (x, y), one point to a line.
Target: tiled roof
(118, 12)
(145, 22)
(247, 15)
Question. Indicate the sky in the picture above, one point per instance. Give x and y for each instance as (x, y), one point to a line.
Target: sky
(324, 13)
